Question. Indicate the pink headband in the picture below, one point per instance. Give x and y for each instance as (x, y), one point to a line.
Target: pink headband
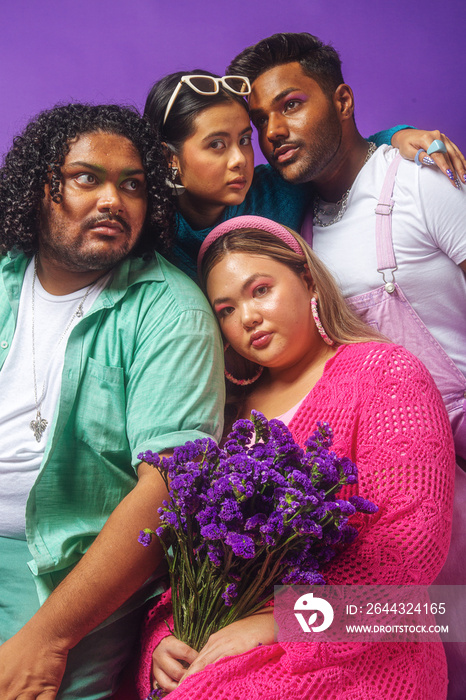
(239, 222)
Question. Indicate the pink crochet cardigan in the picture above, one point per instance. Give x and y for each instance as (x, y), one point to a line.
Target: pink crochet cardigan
(388, 417)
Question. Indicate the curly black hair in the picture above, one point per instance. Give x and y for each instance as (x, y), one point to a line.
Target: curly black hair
(39, 152)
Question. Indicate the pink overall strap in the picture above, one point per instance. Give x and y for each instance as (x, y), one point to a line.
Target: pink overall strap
(383, 226)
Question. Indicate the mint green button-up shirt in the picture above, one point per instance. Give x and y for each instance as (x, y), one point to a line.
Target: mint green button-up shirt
(143, 370)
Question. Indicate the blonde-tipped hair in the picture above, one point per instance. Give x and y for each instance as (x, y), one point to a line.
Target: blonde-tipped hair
(340, 322)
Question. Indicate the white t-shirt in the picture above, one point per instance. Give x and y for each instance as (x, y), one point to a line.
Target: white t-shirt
(20, 453)
(429, 238)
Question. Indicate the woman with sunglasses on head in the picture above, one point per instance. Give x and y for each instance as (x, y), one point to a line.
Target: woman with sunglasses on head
(204, 123)
(308, 359)
(205, 127)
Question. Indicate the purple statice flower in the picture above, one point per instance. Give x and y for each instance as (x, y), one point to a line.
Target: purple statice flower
(261, 451)
(328, 467)
(349, 469)
(297, 476)
(280, 433)
(232, 447)
(231, 511)
(326, 553)
(207, 515)
(348, 534)
(237, 483)
(242, 485)
(188, 502)
(169, 518)
(289, 500)
(189, 452)
(307, 526)
(244, 427)
(288, 458)
(269, 475)
(184, 491)
(321, 437)
(242, 545)
(231, 591)
(215, 554)
(267, 540)
(274, 525)
(211, 449)
(185, 481)
(312, 578)
(362, 505)
(345, 507)
(254, 522)
(245, 491)
(239, 437)
(156, 694)
(319, 512)
(331, 505)
(261, 426)
(292, 577)
(220, 489)
(331, 537)
(301, 558)
(214, 531)
(149, 457)
(242, 465)
(145, 537)
(293, 558)
(192, 452)
(288, 453)
(259, 503)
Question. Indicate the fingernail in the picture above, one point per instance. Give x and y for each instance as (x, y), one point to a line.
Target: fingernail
(464, 178)
(457, 184)
(450, 174)
(427, 160)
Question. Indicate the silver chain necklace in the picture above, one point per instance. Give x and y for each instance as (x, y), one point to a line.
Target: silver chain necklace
(39, 425)
(339, 207)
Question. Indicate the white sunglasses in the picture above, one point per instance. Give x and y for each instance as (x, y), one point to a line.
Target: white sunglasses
(208, 85)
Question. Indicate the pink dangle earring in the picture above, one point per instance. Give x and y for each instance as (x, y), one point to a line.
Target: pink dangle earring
(241, 382)
(317, 321)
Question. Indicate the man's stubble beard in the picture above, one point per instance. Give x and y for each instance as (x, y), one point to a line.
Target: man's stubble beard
(313, 160)
(78, 256)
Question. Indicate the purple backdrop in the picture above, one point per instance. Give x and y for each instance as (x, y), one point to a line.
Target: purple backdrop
(405, 61)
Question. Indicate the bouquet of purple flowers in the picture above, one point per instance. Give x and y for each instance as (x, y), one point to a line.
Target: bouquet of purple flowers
(258, 512)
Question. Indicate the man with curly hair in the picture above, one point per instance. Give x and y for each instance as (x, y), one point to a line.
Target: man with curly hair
(106, 350)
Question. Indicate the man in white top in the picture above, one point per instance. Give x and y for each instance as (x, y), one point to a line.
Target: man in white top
(394, 237)
(106, 351)
(304, 114)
